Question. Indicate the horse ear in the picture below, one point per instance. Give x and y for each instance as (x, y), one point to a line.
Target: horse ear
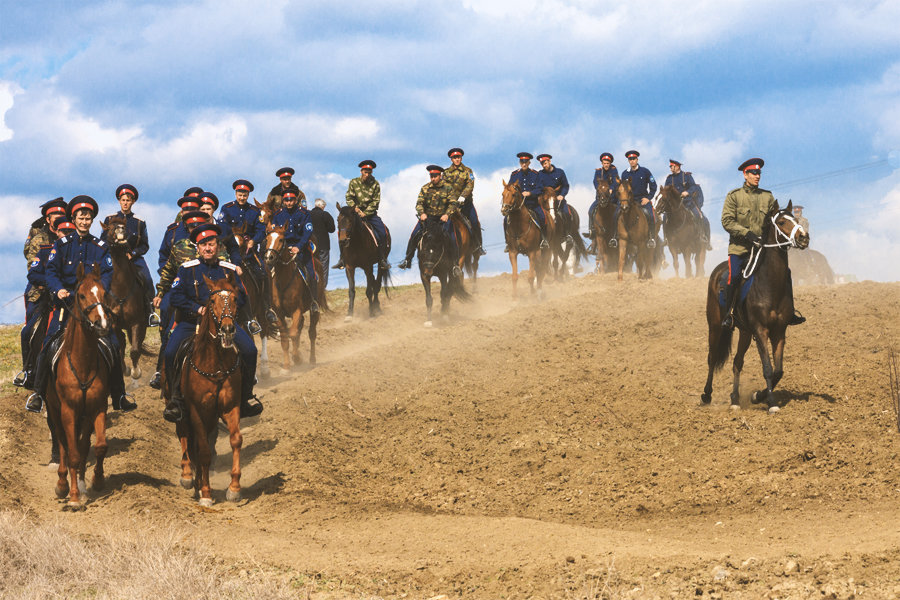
(269, 228)
(210, 284)
(503, 181)
(256, 202)
(790, 206)
(338, 206)
(104, 226)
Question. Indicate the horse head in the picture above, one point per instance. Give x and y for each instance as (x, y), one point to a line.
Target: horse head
(266, 210)
(434, 246)
(512, 198)
(116, 231)
(669, 199)
(347, 221)
(90, 304)
(275, 243)
(624, 194)
(547, 197)
(604, 193)
(221, 309)
(787, 229)
(238, 231)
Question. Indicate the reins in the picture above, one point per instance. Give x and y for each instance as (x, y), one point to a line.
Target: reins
(788, 240)
(218, 377)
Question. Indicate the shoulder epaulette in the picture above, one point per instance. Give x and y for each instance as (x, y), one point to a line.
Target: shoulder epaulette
(100, 243)
(191, 263)
(228, 265)
(64, 239)
(229, 203)
(45, 246)
(173, 225)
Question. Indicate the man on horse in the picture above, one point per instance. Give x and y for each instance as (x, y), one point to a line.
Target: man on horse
(241, 213)
(437, 200)
(138, 243)
(608, 172)
(187, 203)
(743, 218)
(643, 188)
(190, 296)
(553, 177)
(691, 197)
(364, 196)
(323, 226)
(297, 233)
(462, 180)
(284, 175)
(530, 186)
(798, 214)
(61, 274)
(40, 233)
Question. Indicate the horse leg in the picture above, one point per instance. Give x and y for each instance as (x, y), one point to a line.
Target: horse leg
(674, 254)
(285, 339)
(514, 263)
(371, 296)
(737, 366)
(762, 341)
(263, 356)
(532, 269)
(296, 326)
(187, 476)
(446, 294)
(59, 435)
(312, 332)
(232, 420)
(778, 356)
(351, 290)
(73, 454)
(699, 260)
(623, 250)
(687, 264)
(136, 335)
(100, 449)
(429, 299)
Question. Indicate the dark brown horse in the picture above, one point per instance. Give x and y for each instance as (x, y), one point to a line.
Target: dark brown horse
(603, 226)
(764, 314)
(562, 234)
(291, 297)
(256, 308)
(435, 261)
(359, 250)
(523, 236)
(77, 395)
(633, 229)
(212, 385)
(682, 231)
(468, 260)
(126, 289)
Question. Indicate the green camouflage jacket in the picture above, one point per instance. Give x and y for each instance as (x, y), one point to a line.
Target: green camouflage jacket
(364, 196)
(745, 210)
(37, 237)
(436, 200)
(461, 180)
(182, 251)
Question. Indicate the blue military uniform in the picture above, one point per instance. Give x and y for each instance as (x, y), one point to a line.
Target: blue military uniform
(683, 181)
(234, 214)
(35, 311)
(555, 178)
(642, 186)
(138, 245)
(298, 230)
(610, 175)
(529, 181)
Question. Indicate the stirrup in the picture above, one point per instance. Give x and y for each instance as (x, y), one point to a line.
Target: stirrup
(456, 271)
(728, 321)
(405, 263)
(156, 381)
(479, 251)
(544, 243)
(339, 264)
(249, 409)
(651, 243)
(569, 239)
(313, 307)
(797, 319)
(586, 236)
(34, 403)
(506, 248)
(613, 243)
(124, 404)
(153, 320)
(173, 412)
(253, 327)
(21, 378)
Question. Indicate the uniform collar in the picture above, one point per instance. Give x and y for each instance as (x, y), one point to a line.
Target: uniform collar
(213, 262)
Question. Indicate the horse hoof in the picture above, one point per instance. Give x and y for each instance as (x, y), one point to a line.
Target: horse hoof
(264, 373)
(348, 319)
(774, 409)
(735, 407)
(187, 483)
(754, 398)
(232, 496)
(705, 398)
(74, 506)
(61, 492)
(82, 487)
(136, 373)
(429, 324)
(206, 502)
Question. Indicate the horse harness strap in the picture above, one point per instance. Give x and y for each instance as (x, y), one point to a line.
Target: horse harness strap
(756, 251)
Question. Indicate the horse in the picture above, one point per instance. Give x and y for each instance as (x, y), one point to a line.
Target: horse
(212, 387)
(603, 225)
(633, 227)
(682, 231)
(77, 396)
(359, 250)
(562, 233)
(267, 210)
(434, 261)
(256, 307)
(468, 260)
(523, 236)
(765, 312)
(291, 297)
(130, 309)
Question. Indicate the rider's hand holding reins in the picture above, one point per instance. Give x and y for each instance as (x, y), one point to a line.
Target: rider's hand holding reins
(423, 216)
(444, 218)
(63, 294)
(156, 301)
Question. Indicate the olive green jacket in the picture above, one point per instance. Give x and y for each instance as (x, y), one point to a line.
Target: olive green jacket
(364, 196)
(745, 210)
(461, 180)
(436, 200)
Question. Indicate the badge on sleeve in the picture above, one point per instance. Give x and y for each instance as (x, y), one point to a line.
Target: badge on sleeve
(34, 264)
(108, 261)
(309, 226)
(176, 282)
(52, 254)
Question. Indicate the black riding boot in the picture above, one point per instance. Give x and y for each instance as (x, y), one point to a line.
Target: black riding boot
(120, 399)
(153, 318)
(156, 380)
(339, 264)
(250, 404)
(383, 254)
(174, 410)
(731, 295)
(410, 251)
(35, 401)
(796, 317)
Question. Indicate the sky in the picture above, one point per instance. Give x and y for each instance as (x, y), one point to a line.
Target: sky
(169, 94)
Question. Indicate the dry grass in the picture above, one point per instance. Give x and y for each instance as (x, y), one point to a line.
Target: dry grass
(43, 561)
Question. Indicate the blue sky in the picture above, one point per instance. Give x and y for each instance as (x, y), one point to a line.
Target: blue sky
(166, 95)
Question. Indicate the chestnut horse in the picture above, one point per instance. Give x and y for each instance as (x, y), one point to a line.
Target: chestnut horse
(212, 387)
(523, 236)
(77, 395)
(267, 210)
(562, 234)
(130, 309)
(633, 228)
(604, 227)
(291, 297)
(360, 251)
(434, 261)
(763, 315)
(255, 307)
(682, 231)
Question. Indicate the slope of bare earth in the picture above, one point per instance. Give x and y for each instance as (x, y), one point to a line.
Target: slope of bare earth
(548, 449)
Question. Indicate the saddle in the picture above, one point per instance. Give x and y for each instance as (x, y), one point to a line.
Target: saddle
(742, 295)
(107, 353)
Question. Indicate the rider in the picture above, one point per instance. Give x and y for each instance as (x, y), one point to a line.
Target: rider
(138, 243)
(529, 184)
(462, 180)
(364, 196)
(743, 215)
(643, 187)
(691, 197)
(182, 251)
(40, 233)
(284, 184)
(298, 230)
(241, 212)
(436, 201)
(61, 276)
(190, 296)
(187, 203)
(552, 176)
(798, 215)
(607, 171)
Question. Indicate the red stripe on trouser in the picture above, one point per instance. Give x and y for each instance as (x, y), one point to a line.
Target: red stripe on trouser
(729, 271)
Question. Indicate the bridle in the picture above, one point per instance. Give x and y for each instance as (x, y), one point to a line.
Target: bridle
(784, 241)
(603, 198)
(516, 204)
(219, 376)
(429, 265)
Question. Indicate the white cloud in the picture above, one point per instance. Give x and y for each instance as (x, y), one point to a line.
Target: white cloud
(8, 91)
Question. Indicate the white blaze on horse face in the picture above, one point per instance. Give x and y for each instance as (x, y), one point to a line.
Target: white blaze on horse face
(95, 291)
(272, 238)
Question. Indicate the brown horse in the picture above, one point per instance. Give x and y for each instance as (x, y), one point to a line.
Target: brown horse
(360, 251)
(126, 288)
(291, 297)
(682, 231)
(267, 210)
(633, 228)
(765, 312)
(523, 236)
(434, 261)
(562, 234)
(212, 387)
(77, 396)
(468, 260)
(255, 306)
(603, 227)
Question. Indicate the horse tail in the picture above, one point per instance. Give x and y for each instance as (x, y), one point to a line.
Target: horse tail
(459, 290)
(384, 279)
(720, 349)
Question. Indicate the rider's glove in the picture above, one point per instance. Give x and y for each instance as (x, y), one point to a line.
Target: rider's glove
(753, 239)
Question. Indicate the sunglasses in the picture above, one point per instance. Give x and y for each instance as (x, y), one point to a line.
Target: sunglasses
(753, 171)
